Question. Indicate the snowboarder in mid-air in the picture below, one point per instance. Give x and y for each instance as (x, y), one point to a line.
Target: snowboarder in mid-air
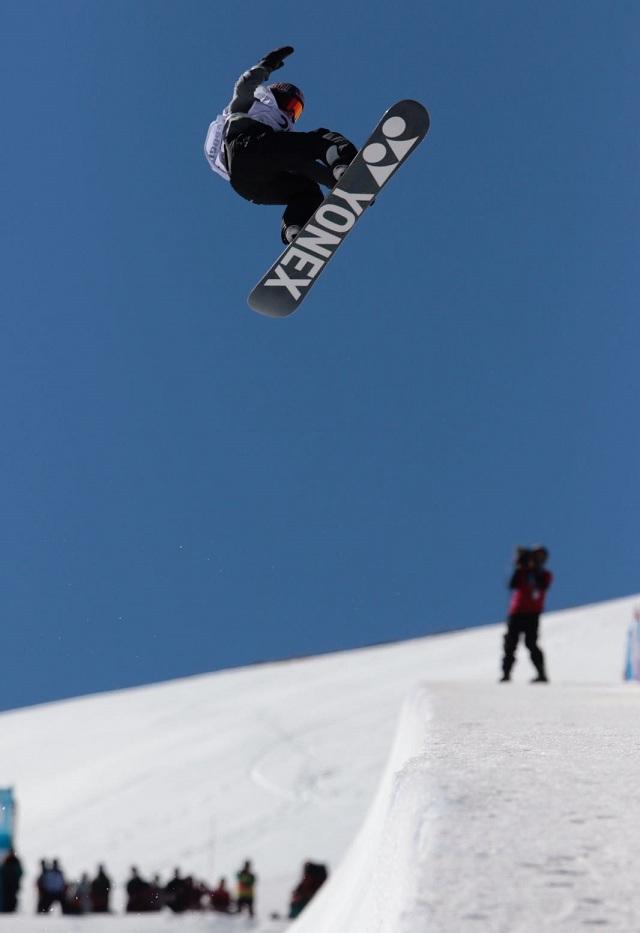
(251, 145)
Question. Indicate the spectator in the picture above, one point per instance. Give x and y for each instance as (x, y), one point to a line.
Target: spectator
(10, 875)
(42, 907)
(83, 893)
(246, 889)
(529, 582)
(78, 896)
(156, 894)
(313, 877)
(194, 893)
(177, 893)
(221, 898)
(71, 904)
(54, 887)
(138, 894)
(100, 891)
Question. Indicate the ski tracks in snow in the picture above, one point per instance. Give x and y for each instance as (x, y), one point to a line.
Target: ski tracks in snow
(288, 768)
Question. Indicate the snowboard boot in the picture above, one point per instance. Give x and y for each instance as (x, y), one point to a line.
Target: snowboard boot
(289, 232)
(339, 154)
(541, 668)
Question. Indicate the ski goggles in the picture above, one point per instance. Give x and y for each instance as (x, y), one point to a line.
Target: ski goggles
(294, 108)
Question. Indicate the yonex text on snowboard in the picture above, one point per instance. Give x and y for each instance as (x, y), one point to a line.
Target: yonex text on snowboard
(321, 236)
(283, 288)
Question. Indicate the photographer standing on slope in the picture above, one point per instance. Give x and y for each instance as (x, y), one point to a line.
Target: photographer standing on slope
(529, 582)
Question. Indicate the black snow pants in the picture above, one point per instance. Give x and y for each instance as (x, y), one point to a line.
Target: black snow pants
(267, 167)
(522, 624)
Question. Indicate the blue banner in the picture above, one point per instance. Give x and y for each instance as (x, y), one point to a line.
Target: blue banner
(7, 818)
(632, 658)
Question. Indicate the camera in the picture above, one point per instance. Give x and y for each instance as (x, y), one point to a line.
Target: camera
(524, 556)
(531, 556)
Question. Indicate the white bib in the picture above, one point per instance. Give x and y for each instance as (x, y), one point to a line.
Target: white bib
(264, 109)
(214, 145)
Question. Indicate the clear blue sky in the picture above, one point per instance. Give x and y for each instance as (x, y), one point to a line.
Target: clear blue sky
(187, 485)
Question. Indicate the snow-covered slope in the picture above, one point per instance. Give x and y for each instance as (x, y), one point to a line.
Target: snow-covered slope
(500, 814)
(501, 807)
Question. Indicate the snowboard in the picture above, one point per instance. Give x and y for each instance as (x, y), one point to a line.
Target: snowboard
(284, 287)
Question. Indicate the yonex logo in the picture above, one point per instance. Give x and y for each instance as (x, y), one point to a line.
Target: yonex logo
(319, 238)
(374, 153)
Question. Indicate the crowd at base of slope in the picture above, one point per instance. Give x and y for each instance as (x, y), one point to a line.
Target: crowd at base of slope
(180, 894)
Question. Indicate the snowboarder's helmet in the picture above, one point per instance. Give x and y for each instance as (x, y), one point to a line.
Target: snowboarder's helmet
(288, 98)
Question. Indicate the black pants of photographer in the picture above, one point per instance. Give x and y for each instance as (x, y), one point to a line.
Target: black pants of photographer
(522, 624)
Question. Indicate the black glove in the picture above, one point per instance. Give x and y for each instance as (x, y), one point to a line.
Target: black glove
(275, 59)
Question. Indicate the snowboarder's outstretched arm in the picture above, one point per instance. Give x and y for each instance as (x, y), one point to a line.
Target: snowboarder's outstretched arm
(248, 82)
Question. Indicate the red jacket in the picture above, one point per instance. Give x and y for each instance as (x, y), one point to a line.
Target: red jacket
(221, 900)
(530, 587)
